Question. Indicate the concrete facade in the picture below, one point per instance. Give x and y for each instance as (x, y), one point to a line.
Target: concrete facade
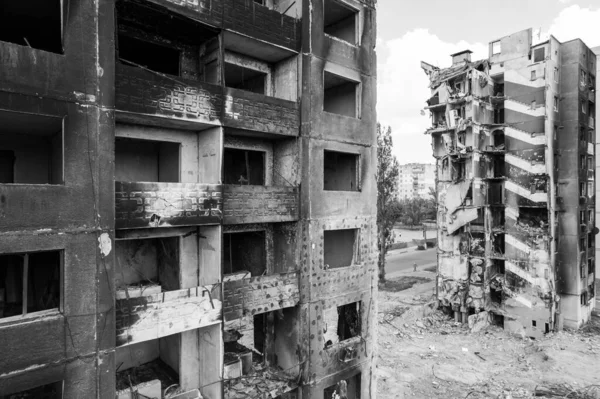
(513, 137)
(187, 199)
(415, 180)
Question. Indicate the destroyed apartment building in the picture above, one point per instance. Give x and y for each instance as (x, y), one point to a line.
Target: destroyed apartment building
(186, 198)
(513, 138)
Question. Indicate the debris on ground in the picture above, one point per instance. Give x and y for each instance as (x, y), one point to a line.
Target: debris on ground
(424, 353)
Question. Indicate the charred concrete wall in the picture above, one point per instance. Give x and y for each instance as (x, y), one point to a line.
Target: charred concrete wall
(504, 153)
(73, 339)
(183, 198)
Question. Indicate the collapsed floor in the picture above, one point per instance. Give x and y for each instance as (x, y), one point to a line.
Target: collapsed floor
(424, 353)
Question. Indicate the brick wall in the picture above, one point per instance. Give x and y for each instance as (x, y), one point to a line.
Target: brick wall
(259, 204)
(141, 204)
(249, 18)
(144, 92)
(243, 16)
(260, 294)
(253, 111)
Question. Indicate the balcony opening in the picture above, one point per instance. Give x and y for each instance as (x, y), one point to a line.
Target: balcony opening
(340, 95)
(153, 37)
(498, 244)
(149, 55)
(340, 21)
(245, 167)
(533, 218)
(340, 248)
(48, 391)
(458, 171)
(147, 266)
(495, 194)
(147, 369)
(35, 23)
(340, 171)
(244, 253)
(146, 160)
(30, 282)
(498, 116)
(239, 77)
(263, 346)
(498, 139)
(348, 389)
(31, 149)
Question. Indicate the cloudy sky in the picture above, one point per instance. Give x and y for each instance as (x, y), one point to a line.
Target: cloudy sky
(411, 31)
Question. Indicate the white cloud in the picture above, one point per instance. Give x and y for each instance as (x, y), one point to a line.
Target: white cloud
(403, 88)
(577, 22)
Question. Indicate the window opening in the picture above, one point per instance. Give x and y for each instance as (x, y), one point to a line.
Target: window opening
(245, 167)
(349, 321)
(146, 160)
(30, 282)
(34, 23)
(238, 77)
(155, 57)
(340, 95)
(244, 252)
(498, 115)
(340, 171)
(539, 54)
(340, 248)
(31, 149)
(496, 47)
(48, 391)
(339, 21)
(555, 104)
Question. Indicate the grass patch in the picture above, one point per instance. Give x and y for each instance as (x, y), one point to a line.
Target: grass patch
(402, 283)
(430, 269)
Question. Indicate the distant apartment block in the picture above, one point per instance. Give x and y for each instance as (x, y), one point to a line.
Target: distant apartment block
(514, 138)
(416, 180)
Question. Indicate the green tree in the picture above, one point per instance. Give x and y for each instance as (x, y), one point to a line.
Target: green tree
(389, 208)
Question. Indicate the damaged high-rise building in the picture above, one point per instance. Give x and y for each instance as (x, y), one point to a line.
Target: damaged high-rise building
(187, 198)
(513, 138)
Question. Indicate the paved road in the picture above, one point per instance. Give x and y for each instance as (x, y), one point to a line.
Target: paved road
(397, 261)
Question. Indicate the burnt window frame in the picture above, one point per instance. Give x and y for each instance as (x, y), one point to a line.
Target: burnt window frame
(25, 315)
(63, 6)
(246, 150)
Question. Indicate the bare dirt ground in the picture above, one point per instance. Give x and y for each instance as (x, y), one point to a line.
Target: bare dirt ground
(425, 354)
